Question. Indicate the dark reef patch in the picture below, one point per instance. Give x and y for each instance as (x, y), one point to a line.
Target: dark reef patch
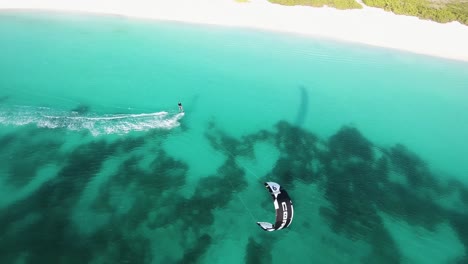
(256, 253)
(407, 205)
(193, 254)
(211, 192)
(22, 156)
(6, 140)
(298, 151)
(384, 249)
(459, 223)
(81, 109)
(350, 143)
(53, 238)
(464, 194)
(409, 164)
(353, 174)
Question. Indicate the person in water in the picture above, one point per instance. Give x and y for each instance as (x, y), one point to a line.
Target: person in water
(181, 109)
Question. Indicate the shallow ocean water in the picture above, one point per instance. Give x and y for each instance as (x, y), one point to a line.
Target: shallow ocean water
(98, 166)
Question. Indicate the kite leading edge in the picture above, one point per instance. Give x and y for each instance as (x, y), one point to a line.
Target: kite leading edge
(283, 207)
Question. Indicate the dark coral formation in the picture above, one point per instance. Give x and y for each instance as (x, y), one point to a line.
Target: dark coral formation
(354, 175)
(257, 253)
(194, 254)
(23, 154)
(81, 109)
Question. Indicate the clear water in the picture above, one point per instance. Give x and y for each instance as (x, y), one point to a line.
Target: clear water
(97, 165)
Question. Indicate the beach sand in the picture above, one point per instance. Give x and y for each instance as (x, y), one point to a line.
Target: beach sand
(369, 25)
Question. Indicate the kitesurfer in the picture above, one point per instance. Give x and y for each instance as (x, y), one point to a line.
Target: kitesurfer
(181, 109)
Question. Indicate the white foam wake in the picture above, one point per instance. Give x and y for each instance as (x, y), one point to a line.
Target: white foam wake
(97, 124)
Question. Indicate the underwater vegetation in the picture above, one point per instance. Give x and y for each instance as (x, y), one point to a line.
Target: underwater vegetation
(81, 109)
(256, 253)
(360, 181)
(4, 98)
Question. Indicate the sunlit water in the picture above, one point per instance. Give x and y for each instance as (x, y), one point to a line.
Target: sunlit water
(97, 165)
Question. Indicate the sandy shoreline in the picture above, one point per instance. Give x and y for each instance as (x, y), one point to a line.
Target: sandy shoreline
(370, 26)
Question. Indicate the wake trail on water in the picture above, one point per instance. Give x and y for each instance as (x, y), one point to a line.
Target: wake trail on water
(97, 124)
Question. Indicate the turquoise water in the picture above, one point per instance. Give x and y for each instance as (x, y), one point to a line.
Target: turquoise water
(98, 166)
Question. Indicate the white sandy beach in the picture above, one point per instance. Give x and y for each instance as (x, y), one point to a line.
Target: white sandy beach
(368, 25)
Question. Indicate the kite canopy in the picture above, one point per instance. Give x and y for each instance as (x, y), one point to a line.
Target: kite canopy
(283, 206)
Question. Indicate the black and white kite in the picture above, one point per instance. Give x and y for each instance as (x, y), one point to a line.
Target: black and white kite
(283, 206)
